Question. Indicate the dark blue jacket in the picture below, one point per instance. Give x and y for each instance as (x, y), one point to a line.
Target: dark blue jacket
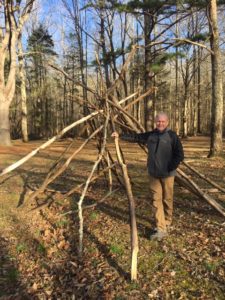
(165, 151)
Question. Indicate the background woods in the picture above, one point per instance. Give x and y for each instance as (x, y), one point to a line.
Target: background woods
(178, 61)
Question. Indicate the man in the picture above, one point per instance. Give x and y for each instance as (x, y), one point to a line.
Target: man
(165, 152)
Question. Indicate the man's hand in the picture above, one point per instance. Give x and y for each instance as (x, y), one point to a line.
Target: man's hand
(115, 134)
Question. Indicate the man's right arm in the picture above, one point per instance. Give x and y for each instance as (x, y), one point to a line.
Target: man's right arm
(140, 138)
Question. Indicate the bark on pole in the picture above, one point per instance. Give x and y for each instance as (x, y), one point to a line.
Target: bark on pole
(133, 223)
(4, 122)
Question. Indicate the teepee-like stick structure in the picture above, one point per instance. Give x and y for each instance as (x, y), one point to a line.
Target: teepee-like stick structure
(108, 112)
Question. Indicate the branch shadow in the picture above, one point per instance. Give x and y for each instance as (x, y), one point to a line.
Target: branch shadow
(106, 253)
(10, 285)
(117, 213)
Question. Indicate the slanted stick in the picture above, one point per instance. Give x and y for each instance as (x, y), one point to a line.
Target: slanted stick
(133, 223)
(48, 143)
(201, 194)
(59, 171)
(204, 177)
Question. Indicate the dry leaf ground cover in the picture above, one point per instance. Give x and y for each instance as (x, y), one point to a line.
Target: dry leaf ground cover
(39, 241)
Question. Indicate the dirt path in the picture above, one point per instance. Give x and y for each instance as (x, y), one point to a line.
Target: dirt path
(38, 247)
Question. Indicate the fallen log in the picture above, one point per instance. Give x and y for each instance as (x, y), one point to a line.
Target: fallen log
(194, 188)
(213, 183)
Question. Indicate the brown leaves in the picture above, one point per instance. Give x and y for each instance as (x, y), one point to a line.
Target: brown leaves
(188, 264)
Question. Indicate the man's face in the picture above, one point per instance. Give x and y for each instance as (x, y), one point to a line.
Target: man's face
(161, 122)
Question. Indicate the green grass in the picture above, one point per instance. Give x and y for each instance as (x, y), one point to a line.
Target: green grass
(94, 216)
(41, 248)
(62, 223)
(119, 298)
(212, 266)
(151, 262)
(133, 286)
(13, 274)
(91, 250)
(21, 247)
(117, 249)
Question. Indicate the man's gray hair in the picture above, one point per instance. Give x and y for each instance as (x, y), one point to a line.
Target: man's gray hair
(160, 114)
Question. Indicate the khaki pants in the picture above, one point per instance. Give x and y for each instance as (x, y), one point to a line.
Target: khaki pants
(161, 190)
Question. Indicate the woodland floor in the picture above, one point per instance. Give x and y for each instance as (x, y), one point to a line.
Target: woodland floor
(38, 241)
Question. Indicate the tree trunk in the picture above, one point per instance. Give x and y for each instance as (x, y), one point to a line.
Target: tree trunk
(185, 115)
(103, 46)
(199, 93)
(23, 92)
(9, 34)
(216, 146)
(4, 122)
(148, 103)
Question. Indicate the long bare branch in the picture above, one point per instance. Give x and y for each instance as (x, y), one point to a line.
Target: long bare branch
(50, 178)
(72, 79)
(213, 183)
(201, 194)
(48, 143)
(179, 40)
(133, 223)
(80, 202)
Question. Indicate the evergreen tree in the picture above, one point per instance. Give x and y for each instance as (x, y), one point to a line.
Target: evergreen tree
(41, 50)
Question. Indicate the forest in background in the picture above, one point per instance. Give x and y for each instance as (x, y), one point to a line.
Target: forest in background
(66, 47)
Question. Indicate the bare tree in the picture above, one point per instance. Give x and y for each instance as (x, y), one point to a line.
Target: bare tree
(216, 146)
(22, 75)
(73, 11)
(15, 14)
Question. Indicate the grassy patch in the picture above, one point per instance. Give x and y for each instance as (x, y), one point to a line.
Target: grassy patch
(117, 249)
(12, 275)
(41, 249)
(150, 263)
(62, 223)
(21, 247)
(212, 266)
(94, 215)
(91, 250)
(133, 286)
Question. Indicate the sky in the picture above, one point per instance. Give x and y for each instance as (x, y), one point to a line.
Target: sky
(54, 16)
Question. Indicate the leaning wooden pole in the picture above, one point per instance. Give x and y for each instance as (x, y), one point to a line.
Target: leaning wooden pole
(197, 191)
(133, 223)
(58, 171)
(213, 183)
(48, 143)
(95, 166)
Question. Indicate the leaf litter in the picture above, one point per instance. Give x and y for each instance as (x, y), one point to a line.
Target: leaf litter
(39, 257)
